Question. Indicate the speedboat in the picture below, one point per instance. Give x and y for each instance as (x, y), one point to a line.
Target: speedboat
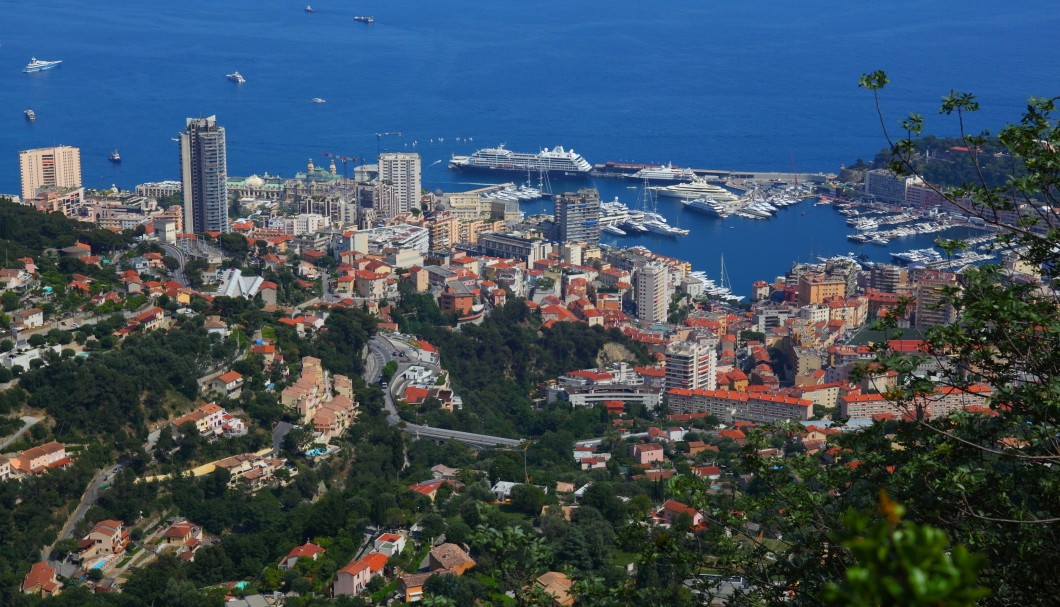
(30, 115)
(365, 19)
(318, 100)
(40, 65)
(309, 9)
(236, 77)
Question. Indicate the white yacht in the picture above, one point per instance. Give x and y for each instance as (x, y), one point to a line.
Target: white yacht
(236, 77)
(697, 188)
(667, 172)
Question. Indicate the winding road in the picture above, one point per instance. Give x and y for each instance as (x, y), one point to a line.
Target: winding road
(381, 351)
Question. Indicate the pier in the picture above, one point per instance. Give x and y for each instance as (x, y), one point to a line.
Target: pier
(736, 179)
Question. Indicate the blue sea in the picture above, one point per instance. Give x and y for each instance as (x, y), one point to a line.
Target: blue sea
(767, 85)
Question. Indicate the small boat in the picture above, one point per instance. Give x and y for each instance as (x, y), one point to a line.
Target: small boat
(236, 77)
(115, 156)
(364, 19)
(40, 65)
(309, 9)
(318, 100)
(614, 230)
(30, 115)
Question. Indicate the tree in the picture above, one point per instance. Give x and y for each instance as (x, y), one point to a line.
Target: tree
(10, 301)
(528, 499)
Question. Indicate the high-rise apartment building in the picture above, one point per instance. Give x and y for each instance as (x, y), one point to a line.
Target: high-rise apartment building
(652, 292)
(204, 173)
(402, 169)
(932, 309)
(578, 217)
(58, 167)
(692, 364)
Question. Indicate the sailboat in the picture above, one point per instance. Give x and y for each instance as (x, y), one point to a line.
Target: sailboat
(724, 289)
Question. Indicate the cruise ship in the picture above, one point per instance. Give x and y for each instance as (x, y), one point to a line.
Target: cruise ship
(557, 161)
(665, 173)
(698, 188)
(40, 65)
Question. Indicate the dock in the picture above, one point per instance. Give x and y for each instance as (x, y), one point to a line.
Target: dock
(736, 179)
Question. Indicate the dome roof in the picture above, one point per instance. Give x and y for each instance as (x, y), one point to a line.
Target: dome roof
(255, 182)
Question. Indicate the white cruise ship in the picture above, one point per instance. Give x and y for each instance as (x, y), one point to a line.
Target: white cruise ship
(667, 172)
(557, 161)
(698, 188)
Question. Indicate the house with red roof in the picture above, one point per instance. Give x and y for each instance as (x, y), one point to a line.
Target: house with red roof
(389, 544)
(354, 577)
(646, 453)
(41, 581)
(672, 509)
(308, 550)
(228, 385)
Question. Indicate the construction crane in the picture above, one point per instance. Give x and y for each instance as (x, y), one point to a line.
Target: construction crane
(379, 136)
(343, 160)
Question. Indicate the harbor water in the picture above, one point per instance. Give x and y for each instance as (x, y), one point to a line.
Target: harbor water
(767, 85)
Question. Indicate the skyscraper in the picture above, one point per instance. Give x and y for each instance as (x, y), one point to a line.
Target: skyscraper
(578, 217)
(402, 169)
(204, 172)
(58, 167)
(652, 292)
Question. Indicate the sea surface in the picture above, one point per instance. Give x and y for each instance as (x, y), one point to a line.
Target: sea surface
(757, 85)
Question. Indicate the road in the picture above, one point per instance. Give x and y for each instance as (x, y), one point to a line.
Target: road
(175, 253)
(27, 422)
(381, 351)
(88, 499)
(278, 433)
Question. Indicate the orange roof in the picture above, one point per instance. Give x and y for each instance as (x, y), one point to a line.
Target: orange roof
(231, 376)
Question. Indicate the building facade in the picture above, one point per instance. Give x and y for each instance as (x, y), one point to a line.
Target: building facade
(578, 217)
(652, 292)
(56, 167)
(692, 365)
(204, 172)
(402, 170)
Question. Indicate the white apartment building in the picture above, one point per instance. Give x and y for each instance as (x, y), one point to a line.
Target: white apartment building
(402, 170)
(652, 292)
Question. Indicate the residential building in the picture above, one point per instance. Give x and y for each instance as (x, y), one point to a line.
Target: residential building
(41, 581)
(38, 459)
(672, 509)
(55, 167)
(932, 309)
(578, 217)
(525, 247)
(228, 385)
(652, 292)
(389, 544)
(450, 557)
(646, 453)
(204, 176)
(106, 537)
(729, 406)
(402, 170)
(885, 185)
(354, 577)
(556, 585)
(815, 287)
(692, 364)
(308, 550)
(411, 585)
